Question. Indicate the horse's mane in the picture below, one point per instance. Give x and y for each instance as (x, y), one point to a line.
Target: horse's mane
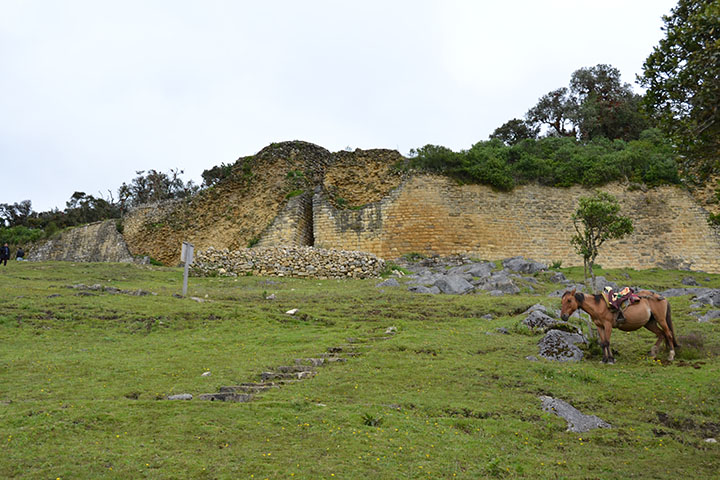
(580, 297)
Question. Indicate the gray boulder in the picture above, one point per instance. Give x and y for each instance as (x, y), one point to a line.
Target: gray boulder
(710, 315)
(453, 285)
(538, 319)
(500, 281)
(576, 421)
(560, 346)
(601, 282)
(180, 396)
(519, 264)
(690, 281)
(679, 292)
(473, 270)
(424, 278)
(390, 282)
(711, 297)
(538, 307)
(558, 277)
(423, 289)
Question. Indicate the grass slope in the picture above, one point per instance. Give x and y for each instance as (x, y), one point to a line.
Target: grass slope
(83, 377)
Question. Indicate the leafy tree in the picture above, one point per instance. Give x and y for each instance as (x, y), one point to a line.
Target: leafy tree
(154, 187)
(434, 158)
(597, 104)
(83, 208)
(558, 111)
(606, 107)
(15, 214)
(596, 220)
(514, 131)
(682, 77)
(216, 174)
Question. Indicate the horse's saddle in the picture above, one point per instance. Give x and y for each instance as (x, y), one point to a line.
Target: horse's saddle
(619, 300)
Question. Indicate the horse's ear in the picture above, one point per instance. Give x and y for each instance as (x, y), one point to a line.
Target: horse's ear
(573, 292)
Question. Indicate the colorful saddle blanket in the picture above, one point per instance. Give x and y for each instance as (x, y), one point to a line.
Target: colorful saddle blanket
(620, 299)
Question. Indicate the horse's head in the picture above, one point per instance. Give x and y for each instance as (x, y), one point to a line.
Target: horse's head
(570, 302)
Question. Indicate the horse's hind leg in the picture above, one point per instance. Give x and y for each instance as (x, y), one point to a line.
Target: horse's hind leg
(604, 332)
(663, 320)
(653, 327)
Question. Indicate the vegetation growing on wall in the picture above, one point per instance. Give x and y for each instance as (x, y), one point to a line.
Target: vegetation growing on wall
(554, 161)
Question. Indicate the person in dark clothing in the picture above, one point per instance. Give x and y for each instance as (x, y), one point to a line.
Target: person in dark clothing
(20, 254)
(4, 254)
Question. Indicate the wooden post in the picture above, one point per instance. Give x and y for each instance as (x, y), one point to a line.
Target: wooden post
(186, 256)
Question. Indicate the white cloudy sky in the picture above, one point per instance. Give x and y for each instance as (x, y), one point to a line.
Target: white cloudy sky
(93, 90)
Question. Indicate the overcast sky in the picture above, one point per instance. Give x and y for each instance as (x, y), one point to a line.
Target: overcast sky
(93, 90)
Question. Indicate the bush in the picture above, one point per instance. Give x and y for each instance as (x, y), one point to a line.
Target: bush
(556, 162)
(20, 235)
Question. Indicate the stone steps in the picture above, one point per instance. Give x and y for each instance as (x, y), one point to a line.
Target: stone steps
(303, 369)
(226, 397)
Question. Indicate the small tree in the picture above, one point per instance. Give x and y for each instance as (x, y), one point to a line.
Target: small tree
(597, 220)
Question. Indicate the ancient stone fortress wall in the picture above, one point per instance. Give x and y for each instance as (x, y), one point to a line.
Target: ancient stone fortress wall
(256, 204)
(431, 215)
(299, 194)
(94, 242)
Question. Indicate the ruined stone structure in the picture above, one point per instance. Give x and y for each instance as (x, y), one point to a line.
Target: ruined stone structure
(296, 193)
(95, 242)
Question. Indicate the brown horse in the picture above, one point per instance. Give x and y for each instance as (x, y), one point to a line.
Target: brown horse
(652, 311)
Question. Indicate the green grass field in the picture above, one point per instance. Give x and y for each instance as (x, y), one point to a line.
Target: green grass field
(84, 376)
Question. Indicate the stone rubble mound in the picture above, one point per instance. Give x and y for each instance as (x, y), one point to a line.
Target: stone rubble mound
(290, 261)
(459, 275)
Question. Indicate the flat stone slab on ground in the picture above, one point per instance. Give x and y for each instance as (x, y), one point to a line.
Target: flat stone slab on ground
(577, 421)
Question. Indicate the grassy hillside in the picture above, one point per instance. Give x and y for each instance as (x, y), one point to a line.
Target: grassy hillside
(84, 374)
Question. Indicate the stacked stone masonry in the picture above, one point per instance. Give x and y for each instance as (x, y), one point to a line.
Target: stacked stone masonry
(299, 194)
(94, 242)
(433, 215)
(287, 262)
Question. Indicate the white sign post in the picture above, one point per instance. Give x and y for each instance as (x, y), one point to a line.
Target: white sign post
(186, 256)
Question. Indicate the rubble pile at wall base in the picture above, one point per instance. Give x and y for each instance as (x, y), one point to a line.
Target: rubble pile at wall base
(287, 261)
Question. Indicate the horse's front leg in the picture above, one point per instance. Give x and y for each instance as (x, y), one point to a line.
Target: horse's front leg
(604, 332)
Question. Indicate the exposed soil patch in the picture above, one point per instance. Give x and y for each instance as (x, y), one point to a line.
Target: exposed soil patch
(705, 429)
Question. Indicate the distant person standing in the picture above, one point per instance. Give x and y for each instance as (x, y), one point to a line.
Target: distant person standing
(4, 254)
(20, 254)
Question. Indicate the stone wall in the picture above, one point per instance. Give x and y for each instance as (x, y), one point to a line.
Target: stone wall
(292, 226)
(287, 262)
(238, 211)
(299, 194)
(431, 215)
(95, 242)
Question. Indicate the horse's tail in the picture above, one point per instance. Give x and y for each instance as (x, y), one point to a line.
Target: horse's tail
(668, 319)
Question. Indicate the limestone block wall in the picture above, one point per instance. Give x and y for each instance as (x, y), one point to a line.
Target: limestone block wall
(434, 215)
(293, 226)
(95, 242)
